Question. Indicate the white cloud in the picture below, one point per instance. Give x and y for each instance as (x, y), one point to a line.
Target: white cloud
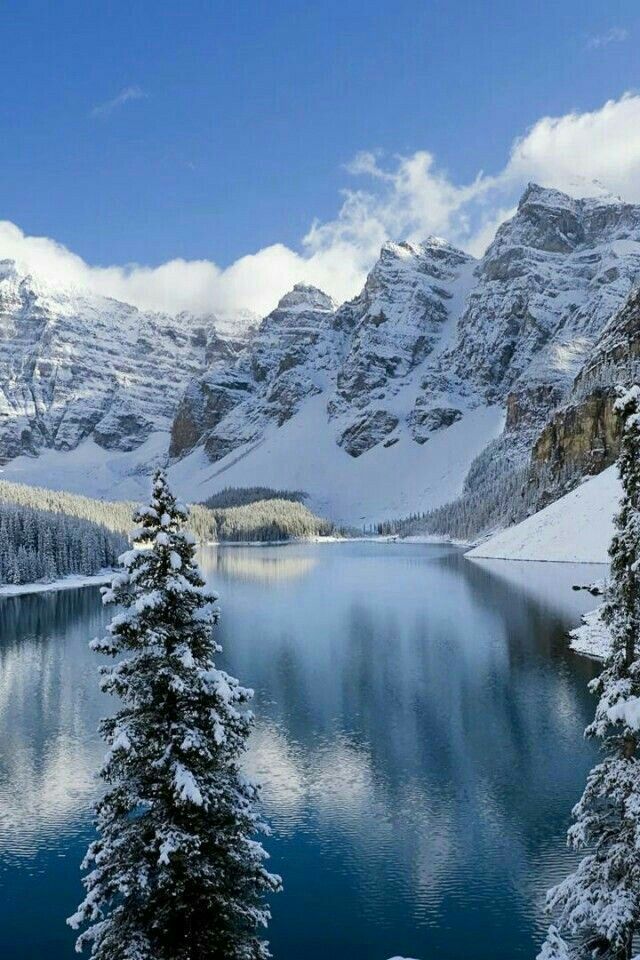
(573, 151)
(404, 197)
(612, 35)
(103, 110)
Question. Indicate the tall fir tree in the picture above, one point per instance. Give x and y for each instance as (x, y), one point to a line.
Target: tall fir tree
(176, 872)
(599, 904)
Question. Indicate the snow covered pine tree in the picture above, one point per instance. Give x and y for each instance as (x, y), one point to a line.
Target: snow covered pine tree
(599, 903)
(175, 873)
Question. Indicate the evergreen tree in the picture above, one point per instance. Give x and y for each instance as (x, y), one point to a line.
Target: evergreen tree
(554, 947)
(176, 873)
(600, 902)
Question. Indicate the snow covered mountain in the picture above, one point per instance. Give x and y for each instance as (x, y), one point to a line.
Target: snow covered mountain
(75, 366)
(545, 289)
(376, 407)
(433, 339)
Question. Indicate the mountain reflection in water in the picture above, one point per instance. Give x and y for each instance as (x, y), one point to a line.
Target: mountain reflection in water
(419, 738)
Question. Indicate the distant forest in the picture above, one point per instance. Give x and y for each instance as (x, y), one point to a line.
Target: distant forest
(48, 534)
(269, 520)
(242, 496)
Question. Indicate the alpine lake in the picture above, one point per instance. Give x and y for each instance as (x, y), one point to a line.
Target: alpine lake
(419, 738)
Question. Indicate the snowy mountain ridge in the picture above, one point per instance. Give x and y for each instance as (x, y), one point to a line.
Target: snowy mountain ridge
(375, 406)
(75, 365)
(434, 336)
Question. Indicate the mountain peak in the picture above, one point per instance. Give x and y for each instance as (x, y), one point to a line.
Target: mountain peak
(431, 246)
(305, 296)
(536, 194)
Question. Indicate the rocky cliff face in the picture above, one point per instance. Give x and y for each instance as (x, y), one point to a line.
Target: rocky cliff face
(74, 365)
(403, 319)
(544, 290)
(433, 334)
(283, 362)
(582, 437)
(363, 356)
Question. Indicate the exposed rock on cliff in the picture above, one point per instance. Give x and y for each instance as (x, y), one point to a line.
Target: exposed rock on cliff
(74, 365)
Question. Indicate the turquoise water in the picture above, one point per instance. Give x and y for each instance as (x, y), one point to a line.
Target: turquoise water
(419, 739)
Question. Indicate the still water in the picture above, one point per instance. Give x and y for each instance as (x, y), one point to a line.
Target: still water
(419, 739)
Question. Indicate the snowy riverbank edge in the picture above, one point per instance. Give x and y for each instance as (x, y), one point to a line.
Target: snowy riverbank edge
(66, 583)
(592, 637)
(577, 528)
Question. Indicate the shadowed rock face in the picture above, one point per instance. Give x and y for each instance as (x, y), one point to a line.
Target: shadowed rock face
(583, 436)
(426, 419)
(365, 433)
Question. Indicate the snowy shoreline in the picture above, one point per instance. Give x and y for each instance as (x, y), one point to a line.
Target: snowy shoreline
(592, 638)
(577, 528)
(66, 583)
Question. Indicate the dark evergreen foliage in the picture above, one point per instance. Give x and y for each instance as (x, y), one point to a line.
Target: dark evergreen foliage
(176, 872)
(45, 545)
(268, 521)
(241, 496)
(599, 903)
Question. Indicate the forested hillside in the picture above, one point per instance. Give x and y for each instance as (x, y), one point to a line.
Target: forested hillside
(241, 496)
(46, 545)
(269, 520)
(48, 534)
(114, 514)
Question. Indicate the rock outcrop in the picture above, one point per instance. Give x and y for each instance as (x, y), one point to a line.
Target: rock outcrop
(582, 437)
(244, 391)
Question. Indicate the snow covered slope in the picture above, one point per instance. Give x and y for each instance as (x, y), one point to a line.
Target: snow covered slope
(303, 455)
(575, 529)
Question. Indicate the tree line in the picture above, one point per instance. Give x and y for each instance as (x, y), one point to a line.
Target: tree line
(241, 496)
(115, 515)
(269, 520)
(48, 534)
(46, 545)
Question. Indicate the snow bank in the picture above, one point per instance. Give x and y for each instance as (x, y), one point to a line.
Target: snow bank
(592, 637)
(575, 529)
(66, 583)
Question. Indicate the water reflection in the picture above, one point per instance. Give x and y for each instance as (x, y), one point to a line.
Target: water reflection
(419, 741)
(262, 563)
(49, 708)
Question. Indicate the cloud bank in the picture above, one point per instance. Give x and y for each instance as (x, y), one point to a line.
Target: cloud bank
(401, 197)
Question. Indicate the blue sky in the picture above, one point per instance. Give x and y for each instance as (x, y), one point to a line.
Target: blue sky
(143, 132)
